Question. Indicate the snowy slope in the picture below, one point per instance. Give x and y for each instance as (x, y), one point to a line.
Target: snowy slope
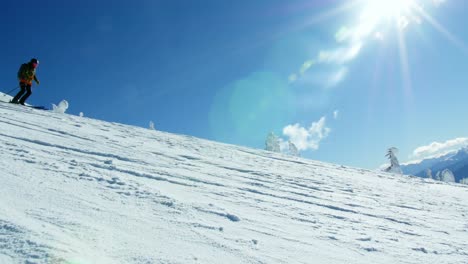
(78, 190)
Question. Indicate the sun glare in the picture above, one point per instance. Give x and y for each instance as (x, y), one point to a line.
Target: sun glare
(379, 20)
(378, 11)
(391, 8)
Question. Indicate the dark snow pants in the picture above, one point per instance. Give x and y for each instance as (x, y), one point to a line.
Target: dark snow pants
(23, 94)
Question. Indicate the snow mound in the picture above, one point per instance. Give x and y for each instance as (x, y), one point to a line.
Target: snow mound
(61, 107)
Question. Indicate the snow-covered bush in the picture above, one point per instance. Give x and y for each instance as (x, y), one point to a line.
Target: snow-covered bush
(394, 164)
(151, 125)
(61, 108)
(272, 143)
(464, 181)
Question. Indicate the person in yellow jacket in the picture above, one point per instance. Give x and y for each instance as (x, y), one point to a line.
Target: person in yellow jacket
(26, 75)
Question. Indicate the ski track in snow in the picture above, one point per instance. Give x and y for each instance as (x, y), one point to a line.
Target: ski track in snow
(80, 190)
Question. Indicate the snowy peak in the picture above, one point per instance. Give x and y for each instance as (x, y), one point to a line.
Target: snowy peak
(456, 162)
(78, 190)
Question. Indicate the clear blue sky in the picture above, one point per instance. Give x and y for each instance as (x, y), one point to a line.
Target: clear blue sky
(232, 71)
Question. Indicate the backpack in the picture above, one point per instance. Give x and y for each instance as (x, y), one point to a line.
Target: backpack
(26, 73)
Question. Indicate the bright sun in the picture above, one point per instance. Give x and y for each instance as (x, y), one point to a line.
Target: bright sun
(376, 11)
(389, 8)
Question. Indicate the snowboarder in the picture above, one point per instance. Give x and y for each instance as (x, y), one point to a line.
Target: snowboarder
(26, 75)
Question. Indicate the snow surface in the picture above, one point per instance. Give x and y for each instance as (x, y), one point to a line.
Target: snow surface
(78, 190)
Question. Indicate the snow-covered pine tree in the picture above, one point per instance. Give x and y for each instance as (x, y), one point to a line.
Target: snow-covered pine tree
(394, 164)
(293, 151)
(437, 177)
(272, 143)
(447, 176)
(429, 174)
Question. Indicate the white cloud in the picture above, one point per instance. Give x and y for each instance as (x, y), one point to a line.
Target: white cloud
(310, 138)
(335, 114)
(436, 149)
(306, 66)
(337, 77)
(343, 34)
(340, 55)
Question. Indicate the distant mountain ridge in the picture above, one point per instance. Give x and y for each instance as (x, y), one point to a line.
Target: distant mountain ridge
(456, 161)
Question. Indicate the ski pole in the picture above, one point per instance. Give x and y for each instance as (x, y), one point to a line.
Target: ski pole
(12, 90)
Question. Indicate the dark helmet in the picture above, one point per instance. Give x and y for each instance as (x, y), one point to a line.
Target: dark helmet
(34, 61)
